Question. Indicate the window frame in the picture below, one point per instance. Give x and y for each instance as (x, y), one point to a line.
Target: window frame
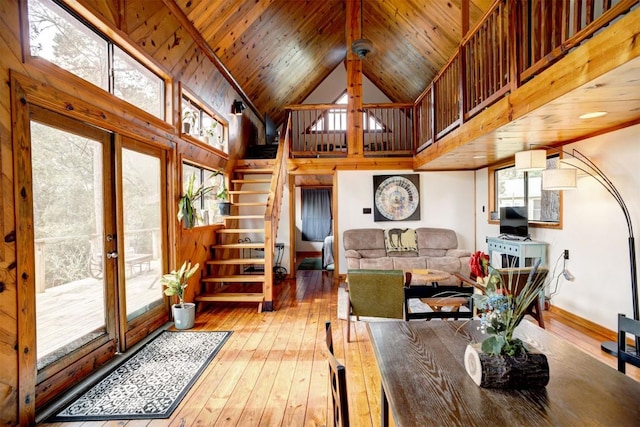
(493, 207)
(113, 38)
(203, 171)
(203, 110)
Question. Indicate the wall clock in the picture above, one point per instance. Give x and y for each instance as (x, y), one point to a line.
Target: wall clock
(396, 197)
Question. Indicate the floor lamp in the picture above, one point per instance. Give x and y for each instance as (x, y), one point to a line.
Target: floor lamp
(565, 178)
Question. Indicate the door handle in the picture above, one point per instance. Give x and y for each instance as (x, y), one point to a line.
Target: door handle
(112, 255)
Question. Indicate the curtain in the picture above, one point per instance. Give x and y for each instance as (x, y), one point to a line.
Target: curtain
(316, 214)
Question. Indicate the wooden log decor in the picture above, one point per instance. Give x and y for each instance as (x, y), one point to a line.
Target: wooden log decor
(500, 371)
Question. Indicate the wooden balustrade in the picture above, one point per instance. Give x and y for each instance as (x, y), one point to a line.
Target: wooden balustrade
(512, 43)
(319, 130)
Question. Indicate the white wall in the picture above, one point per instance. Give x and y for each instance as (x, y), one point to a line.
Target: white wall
(594, 230)
(446, 201)
(336, 83)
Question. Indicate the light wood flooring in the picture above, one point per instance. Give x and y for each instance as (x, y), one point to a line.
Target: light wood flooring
(273, 369)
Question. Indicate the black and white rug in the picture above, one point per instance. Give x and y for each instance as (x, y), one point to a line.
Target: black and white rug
(151, 383)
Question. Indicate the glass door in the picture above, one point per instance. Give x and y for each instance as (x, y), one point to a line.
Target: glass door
(141, 197)
(74, 241)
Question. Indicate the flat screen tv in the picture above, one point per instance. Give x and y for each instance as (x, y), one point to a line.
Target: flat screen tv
(514, 222)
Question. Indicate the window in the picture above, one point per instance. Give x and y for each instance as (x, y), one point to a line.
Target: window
(200, 122)
(205, 206)
(517, 188)
(335, 119)
(59, 37)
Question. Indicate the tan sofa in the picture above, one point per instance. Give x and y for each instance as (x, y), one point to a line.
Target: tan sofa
(437, 249)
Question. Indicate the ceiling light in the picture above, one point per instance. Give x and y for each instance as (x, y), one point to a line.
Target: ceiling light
(593, 115)
(362, 47)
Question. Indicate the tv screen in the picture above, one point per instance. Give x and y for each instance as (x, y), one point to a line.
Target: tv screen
(513, 221)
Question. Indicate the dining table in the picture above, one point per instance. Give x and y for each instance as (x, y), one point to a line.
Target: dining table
(424, 381)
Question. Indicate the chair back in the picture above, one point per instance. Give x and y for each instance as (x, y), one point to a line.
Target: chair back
(376, 293)
(516, 278)
(627, 354)
(338, 384)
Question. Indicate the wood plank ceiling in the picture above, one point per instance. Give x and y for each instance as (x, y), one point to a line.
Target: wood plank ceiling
(280, 50)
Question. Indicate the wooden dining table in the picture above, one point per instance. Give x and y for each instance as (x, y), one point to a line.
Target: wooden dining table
(424, 382)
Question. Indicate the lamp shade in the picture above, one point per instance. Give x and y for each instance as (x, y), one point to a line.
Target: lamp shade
(532, 160)
(559, 179)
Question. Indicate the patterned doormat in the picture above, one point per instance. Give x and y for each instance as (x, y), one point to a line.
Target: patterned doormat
(151, 383)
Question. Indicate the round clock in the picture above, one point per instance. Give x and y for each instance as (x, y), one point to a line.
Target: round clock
(396, 198)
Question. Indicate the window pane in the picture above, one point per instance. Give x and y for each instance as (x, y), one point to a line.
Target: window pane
(509, 188)
(142, 224)
(58, 37)
(68, 216)
(544, 205)
(133, 83)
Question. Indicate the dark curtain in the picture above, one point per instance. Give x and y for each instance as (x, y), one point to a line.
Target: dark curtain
(316, 214)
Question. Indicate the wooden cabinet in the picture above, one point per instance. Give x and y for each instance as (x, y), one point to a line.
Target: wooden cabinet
(516, 253)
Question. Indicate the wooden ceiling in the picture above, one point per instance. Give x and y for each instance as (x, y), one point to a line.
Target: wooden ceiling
(279, 51)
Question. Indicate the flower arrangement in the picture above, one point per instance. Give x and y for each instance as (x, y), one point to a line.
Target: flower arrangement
(504, 303)
(176, 281)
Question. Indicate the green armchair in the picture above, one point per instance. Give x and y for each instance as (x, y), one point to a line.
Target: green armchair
(375, 293)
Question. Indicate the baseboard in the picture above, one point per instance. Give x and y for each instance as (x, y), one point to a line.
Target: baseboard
(584, 323)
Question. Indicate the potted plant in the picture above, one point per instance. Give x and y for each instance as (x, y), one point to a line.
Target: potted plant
(210, 132)
(188, 121)
(222, 200)
(184, 314)
(186, 210)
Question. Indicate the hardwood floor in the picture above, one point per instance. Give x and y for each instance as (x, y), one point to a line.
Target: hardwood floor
(273, 369)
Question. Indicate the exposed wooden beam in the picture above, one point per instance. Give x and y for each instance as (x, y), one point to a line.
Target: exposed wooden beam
(355, 135)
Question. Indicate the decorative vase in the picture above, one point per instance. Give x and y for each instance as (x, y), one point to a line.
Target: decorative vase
(502, 371)
(184, 315)
(188, 218)
(224, 208)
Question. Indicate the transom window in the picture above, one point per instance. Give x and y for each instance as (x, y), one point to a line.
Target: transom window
(517, 188)
(55, 34)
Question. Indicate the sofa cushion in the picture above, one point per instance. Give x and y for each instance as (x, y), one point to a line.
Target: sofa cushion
(432, 252)
(363, 239)
(436, 238)
(408, 264)
(382, 263)
(444, 263)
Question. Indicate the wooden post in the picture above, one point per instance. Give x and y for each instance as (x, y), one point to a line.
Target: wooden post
(355, 135)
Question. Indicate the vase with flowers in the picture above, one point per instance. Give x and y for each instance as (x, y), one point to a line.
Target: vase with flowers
(175, 284)
(502, 360)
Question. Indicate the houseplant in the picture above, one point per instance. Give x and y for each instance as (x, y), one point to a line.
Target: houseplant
(186, 209)
(188, 121)
(175, 283)
(502, 360)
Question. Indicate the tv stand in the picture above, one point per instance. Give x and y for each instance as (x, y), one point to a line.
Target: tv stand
(504, 252)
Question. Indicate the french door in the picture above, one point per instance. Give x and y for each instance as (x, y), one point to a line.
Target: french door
(99, 244)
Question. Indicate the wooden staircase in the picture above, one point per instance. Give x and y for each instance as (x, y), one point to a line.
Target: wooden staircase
(233, 264)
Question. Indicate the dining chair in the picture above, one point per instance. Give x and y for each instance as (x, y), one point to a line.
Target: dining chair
(626, 354)
(338, 383)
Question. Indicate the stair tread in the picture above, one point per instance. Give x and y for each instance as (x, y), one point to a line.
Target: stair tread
(254, 170)
(233, 261)
(229, 296)
(240, 230)
(252, 245)
(250, 204)
(248, 192)
(244, 217)
(235, 278)
(250, 181)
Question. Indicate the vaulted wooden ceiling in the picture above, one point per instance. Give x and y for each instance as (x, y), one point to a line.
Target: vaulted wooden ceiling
(278, 51)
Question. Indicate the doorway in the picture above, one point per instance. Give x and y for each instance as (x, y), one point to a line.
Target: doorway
(98, 242)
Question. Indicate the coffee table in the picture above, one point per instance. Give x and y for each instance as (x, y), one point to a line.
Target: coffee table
(423, 284)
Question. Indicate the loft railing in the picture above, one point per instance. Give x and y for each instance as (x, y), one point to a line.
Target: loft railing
(319, 130)
(513, 42)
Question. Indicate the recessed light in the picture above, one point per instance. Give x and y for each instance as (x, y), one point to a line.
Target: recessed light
(593, 115)
(481, 156)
